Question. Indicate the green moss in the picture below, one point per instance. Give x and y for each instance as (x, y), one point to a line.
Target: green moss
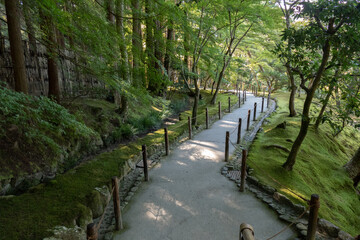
(63, 201)
(318, 168)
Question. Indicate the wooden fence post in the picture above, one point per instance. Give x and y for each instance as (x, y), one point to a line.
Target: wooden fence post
(189, 125)
(245, 96)
(227, 139)
(146, 170)
(219, 110)
(248, 120)
(166, 135)
(229, 104)
(117, 209)
(246, 232)
(239, 99)
(313, 216)
(243, 170)
(268, 101)
(255, 105)
(91, 233)
(239, 131)
(207, 118)
(262, 104)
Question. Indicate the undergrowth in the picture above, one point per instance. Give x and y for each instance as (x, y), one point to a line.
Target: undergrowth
(63, 201)
(319, 165)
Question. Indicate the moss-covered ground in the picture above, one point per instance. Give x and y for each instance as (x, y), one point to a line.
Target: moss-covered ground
(319, 165)
(62, 201)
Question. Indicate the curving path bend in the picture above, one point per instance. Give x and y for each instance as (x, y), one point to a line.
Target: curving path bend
(188, 198)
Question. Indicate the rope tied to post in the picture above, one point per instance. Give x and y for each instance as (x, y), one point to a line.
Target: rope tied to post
(102, 216)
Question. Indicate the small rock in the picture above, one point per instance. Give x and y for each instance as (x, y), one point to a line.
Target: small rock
(304, 233)
(225, 169)
(253, 180)
(301, 226)
(131, 194)
(344, 235)
(128, 198)
(134, 189)
(267, 200)
(302, 221)
(269, 189)
(224, 172)
(287, 217)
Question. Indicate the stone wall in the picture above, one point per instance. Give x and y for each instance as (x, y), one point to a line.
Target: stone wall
(72, 81)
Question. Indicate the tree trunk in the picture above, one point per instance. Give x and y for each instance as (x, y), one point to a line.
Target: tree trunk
(16, 46)
(305, 120)
(124, 61)
(138, 79)
(150, 63)
(196, 104)
(33, 45)
(49, 30)
(321, 114)
(293, 87)
(110, 11)
(212, 87)
(169, 49)
(213, 99)
(353, 166)
(124, 69)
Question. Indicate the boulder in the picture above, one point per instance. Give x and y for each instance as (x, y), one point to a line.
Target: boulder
(328, 227)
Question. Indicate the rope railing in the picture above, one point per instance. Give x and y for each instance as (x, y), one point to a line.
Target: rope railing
(92, 228)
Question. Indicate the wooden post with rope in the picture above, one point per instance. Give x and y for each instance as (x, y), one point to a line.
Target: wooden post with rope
(255, 105)
(239, 132)
(229, 100)
(146, 170)
(91, 232)
(248, 120)
(243, 170)
(207, 118)
(219, 110)
(166, 136)
(189, 126)
(313, 217)
(227, 140)
(116, 199)
(246, 232)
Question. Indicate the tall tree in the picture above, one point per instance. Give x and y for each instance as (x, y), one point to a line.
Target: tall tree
(287, 7)
(137, 48)
(51, 46)
(331, 25)
(16, 46)
(29, 12)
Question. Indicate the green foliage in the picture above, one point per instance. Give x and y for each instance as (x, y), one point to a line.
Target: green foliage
(39, 126)
(62, 201)
(319, 166)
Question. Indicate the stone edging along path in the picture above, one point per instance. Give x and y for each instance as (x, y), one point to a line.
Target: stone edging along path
(283, 206)
(133, 177)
